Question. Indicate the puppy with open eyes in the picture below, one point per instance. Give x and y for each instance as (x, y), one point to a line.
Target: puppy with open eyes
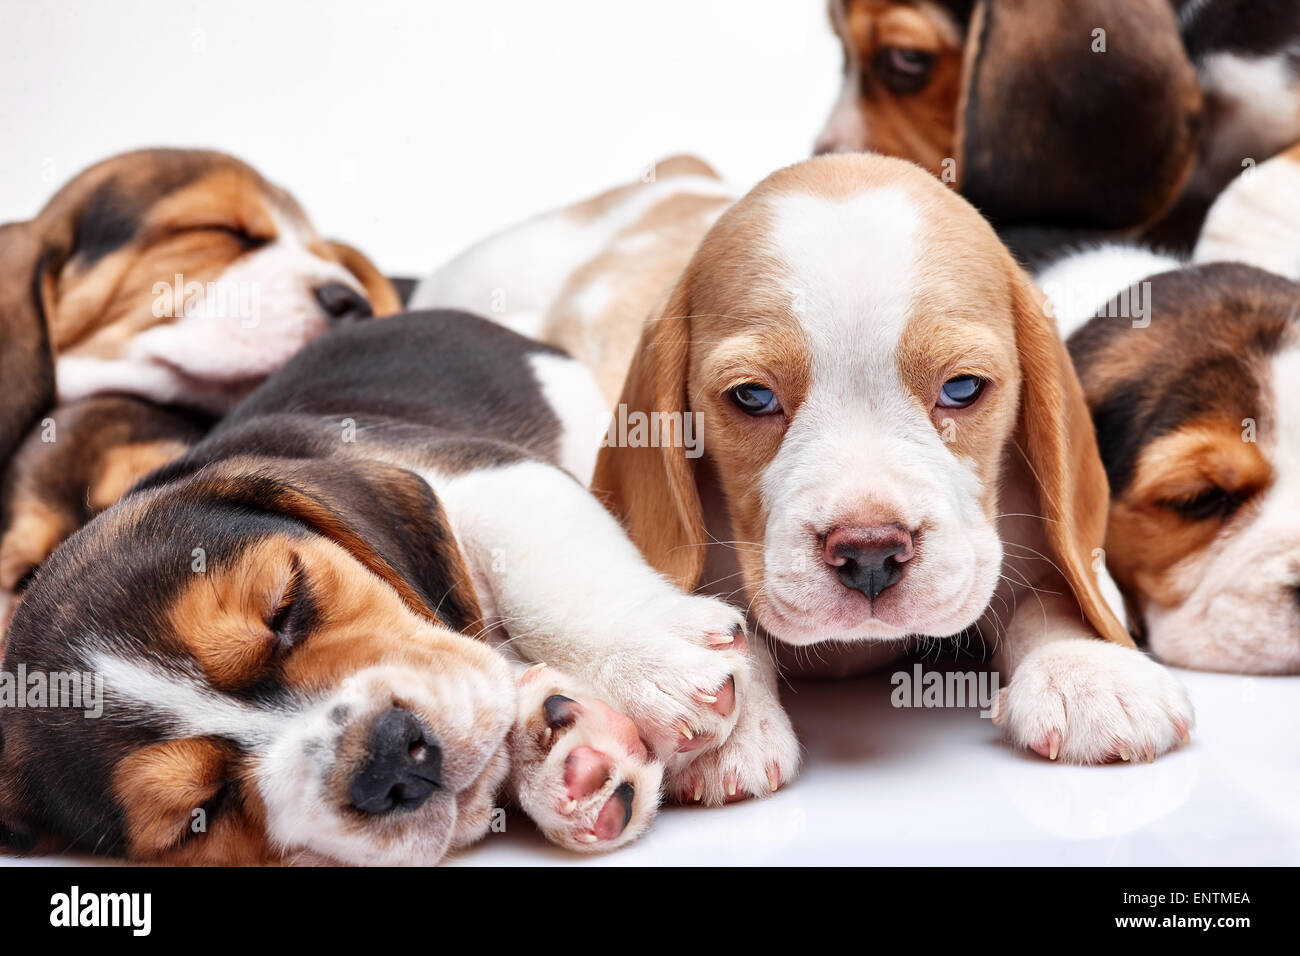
(160, 285)
(1195, 417)
(292, 626)
(1101, 114)
(894, 442)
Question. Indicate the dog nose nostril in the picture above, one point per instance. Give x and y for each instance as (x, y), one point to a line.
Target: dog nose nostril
(342, 302)
(403, 769)
(869, 560)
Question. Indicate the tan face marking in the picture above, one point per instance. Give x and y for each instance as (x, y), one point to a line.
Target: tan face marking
(903, 68)
(1150, 529)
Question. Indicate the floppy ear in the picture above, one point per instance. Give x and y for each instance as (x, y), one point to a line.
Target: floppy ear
(384, 516)
(653, 491)
(383, 297)
(1056, 435)
(18, 834)
(1076, 112)
(26, 362)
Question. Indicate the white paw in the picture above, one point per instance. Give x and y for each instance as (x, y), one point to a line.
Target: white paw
(578, 767)
(1089, 701)
(679, 668)
(761, 755)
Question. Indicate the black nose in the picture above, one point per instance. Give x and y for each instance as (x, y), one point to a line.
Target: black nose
(403, 769)
(869, 559)
(342, 302)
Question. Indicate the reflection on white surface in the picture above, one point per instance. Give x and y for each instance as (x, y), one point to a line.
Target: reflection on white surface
(937, 787)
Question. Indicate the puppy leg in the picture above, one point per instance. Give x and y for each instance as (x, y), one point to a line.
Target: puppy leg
(568, 586)
(578, 767)
(1078, 698)
(760, 756)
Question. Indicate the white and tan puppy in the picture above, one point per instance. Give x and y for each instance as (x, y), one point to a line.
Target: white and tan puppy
(893, 442)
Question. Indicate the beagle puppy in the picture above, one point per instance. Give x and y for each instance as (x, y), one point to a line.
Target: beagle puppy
(1082, 113)
(179, 276)
(81, 459)
(1192, 405)
(171, 280)
(894, 444)
(294, 621)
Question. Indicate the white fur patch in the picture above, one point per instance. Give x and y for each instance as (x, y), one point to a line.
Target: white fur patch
(1083, 282)
(1256, 220)
(571, 391)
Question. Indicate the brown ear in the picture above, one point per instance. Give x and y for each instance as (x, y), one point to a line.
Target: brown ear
(653, 491)
(383, 297)
(1056, 435)
(26, 362)
(1052, 129)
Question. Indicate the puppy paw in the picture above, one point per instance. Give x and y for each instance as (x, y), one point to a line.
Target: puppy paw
(761, 755)
(679, 670)
(578, 767)
(1089, 701)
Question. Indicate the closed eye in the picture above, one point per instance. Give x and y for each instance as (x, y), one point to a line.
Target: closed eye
(1212, 503)
(238, 233)
(294, 614)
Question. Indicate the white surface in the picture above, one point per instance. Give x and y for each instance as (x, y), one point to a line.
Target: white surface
(412, 127)
(937, 787)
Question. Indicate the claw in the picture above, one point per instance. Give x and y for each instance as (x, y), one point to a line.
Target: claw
(570, 807)
(1054, 745)
(699, 791)
(720, 640)
(995, 712)
(588, 837)
(686, 731)
(1151, 755)
(773, 777)
(731, 783)
(704, 698)
(1124, 754)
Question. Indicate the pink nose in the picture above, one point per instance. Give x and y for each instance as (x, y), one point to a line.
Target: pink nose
(869, 559)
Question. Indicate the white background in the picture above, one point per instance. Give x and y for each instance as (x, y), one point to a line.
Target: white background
(412, 129)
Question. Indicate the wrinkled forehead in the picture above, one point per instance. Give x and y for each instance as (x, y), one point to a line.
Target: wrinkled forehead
(869, 265)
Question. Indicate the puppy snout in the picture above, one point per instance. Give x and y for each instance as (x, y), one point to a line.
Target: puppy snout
(403, 768)
(342, 302)
(869, 560)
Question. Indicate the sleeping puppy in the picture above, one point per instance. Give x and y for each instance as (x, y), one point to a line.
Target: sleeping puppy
(290, 626)
(80, 460)
(1017, 104)
(893, 443)
(1191, 402)
(180, 276)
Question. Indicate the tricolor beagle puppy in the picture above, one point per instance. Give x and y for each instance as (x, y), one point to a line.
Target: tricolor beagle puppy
(1189, 372)
(893, 442)
(180, 276)
(79, 460)
(1078, 113)
(292, 622)
(163, 278)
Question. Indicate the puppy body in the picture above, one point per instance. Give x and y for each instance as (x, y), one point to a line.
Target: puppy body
(842, 289)
(81, 459)
(277, 608)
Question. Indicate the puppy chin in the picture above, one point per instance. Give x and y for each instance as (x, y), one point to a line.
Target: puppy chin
(841, 616)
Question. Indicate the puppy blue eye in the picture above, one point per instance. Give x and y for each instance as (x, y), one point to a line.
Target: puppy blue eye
(960, 391)
(754, 399)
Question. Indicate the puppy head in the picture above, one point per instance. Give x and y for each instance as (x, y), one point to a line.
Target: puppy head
(190, 270)
(1196, 422)
(80, 459)
(283, 676)
(902, 79)
(1081, 114)
(861, 354)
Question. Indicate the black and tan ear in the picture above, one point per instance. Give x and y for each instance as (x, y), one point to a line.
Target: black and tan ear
(1055, 433)
(19, 834)
(1081, 113)
(653, 491)
(26, 361)
(382, 294)
(386, 517)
